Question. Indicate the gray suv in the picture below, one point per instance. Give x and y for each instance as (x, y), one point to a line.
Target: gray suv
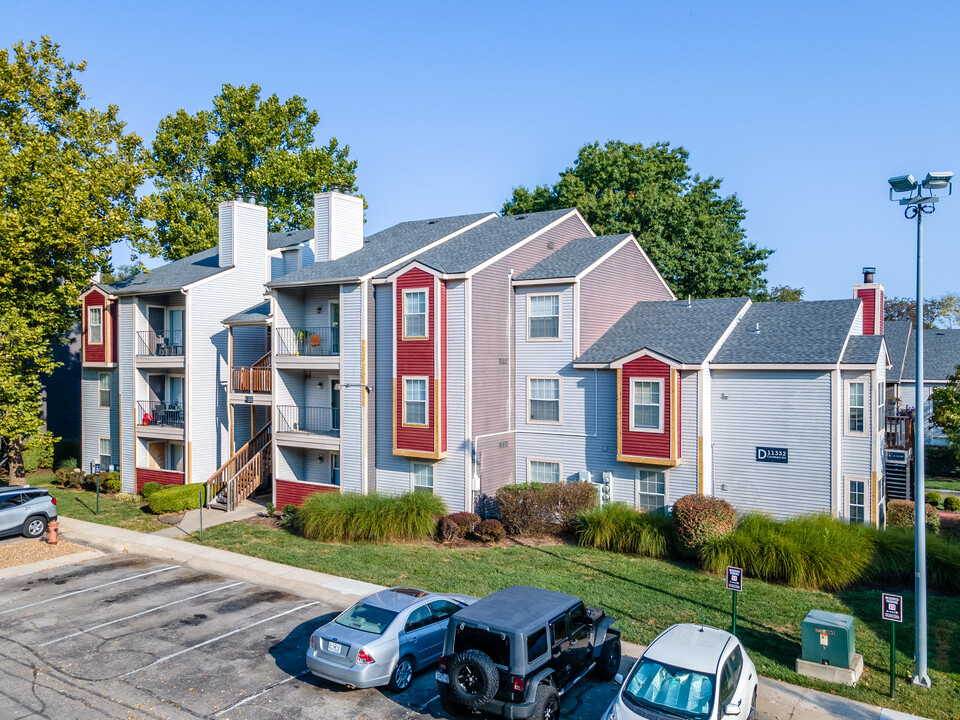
(26, 511)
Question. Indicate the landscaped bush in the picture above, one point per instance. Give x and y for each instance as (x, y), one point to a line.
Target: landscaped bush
(110, 483)
(933, 498)
(289, 519)
(71, 479)
(177, 498)
(491, 530)
(68, 463)
(893, 561)
(345, 517)
(150, 488)
(530, 508)
(951, 503)
(463, 522)
(698, 519)
(127, 497)
(901, 513)
(620, 528)
(38, 452)
(942, 461)
(814, 551)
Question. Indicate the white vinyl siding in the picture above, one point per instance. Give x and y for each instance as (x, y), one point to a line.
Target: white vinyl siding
(544, 394)
(651, 490)
(414, 401)
(544, 317)
(855, 407)
(646, 405)
(95, 326)
(103, 390)
(421, 477)
(544, 471)
(415, 314)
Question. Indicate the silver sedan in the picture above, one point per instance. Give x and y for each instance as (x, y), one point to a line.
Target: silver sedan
(384, 638)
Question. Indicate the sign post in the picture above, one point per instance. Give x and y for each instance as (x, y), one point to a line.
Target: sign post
(200, 490)
(96, 469)
(734, 585)
(893, 611)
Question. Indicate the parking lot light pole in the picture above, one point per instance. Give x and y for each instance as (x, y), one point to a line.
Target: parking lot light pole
(917, 205)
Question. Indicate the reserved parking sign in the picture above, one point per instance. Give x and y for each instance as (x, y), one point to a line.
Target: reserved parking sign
(892, 607)
(735, 578)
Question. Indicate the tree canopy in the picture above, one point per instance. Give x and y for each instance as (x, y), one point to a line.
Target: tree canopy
(244, 145)
(943, 310)
(785, 293)
(946, 410)
(692, 233)
(68, 181)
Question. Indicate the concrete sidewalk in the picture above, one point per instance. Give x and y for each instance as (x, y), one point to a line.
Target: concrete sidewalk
(190, 523)
(776, 699)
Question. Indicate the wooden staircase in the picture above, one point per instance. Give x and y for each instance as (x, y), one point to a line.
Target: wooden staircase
(246, 470)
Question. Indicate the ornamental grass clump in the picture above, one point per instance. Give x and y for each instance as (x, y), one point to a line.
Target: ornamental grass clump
(698, 519)
(619, 528)
(347, 517)
(893, 561)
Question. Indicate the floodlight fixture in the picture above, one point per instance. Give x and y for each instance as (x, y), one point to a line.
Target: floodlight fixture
(938, 180)
(903, 183)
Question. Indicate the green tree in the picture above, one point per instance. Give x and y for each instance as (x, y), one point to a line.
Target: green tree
(785, 293)
(113, 274)
(938, 310)
(243, 145)
(946, 410)
(68, 182)
(692, 234)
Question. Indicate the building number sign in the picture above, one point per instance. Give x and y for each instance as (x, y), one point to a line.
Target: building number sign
(771, 455)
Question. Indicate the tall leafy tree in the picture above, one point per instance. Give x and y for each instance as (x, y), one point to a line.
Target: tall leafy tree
(785, 293)
(692, 233)
(946, 410)
(244, 145)
(68, 181)
(943, 310)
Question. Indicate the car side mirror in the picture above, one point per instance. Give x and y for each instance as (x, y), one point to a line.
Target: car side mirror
(731, 709)
(618, 679)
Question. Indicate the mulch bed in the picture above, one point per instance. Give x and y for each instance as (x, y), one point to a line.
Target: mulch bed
(262, 521)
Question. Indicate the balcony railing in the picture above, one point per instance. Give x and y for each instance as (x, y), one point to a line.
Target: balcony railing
(159, 414)
(899, 432)
(314, 420)
(311, 342)
(151, 344)
(251, 378)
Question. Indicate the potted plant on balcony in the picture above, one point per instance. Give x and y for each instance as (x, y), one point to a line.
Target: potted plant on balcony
(301, 336)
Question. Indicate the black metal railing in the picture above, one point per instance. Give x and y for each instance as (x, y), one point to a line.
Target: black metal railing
(152, 344)
(306, 419)
(160, 414)
(311, 341)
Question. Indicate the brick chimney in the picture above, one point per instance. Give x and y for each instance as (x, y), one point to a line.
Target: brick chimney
(337, 225)
(872, 295)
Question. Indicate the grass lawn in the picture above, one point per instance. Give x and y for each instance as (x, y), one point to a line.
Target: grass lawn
(647, 595)
(942, 483)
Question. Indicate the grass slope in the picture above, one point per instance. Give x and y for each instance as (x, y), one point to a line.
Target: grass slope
(82, 504)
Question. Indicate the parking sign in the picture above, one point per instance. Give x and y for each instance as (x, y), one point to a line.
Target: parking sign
(96, 469)
(892, 607)
(735, 578)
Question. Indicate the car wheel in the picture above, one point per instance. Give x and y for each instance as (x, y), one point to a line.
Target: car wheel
(547, 704)
(753, 707)
(608, 664)
(474, 679)
(402, 674)
(35, 527)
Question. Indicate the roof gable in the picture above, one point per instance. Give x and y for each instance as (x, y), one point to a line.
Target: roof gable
(172, 276)
(573, 258)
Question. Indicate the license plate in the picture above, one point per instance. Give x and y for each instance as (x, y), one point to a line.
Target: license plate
(443, 677)
(334, 647)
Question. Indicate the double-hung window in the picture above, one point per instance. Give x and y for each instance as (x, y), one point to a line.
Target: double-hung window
(414, 401)
(857, 503)
(855, 407)
(415, 314)
(544, 394)
(544, 317)
(95, 326)
(543, 471)
(646, 405)
(422, 477)
(103, 389)
(105, 455)
(651, 490)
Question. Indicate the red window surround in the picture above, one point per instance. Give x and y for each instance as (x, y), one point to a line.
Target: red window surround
(653, 448)
(103, 352)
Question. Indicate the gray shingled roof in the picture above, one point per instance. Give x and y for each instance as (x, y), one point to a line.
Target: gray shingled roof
(668, 327)
(897, 334)
(256, 315)
(810, 332)
(471, 248)
(573, 258)
(941, 355)
(862, 349)
(171, 276)
(277, 240)
(379, 250)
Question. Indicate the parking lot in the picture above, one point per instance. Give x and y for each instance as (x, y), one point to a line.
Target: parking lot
(131, 637)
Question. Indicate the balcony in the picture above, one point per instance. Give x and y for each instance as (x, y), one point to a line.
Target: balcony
(308, 427)
(251, 384)
(899, 432)
(160, 420)
(310, 347)
(160, 349)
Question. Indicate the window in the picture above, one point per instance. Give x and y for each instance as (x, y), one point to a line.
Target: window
(415, 401)
(544, 471)
(105, 455)
(857, 506)
(651, 490)
(881, 422)
(646, 405)
(730, 676)
(544, 396)
(103, 389)
(414, 314)
(536, 644)
(95, 326)
(422, 477)
(558, 630)
(419, 618)
(334, 469)
(855, 405)
(544, 317)
(442, 609)
(176, 457)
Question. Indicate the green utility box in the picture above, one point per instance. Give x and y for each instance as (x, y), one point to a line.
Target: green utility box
(826, 638)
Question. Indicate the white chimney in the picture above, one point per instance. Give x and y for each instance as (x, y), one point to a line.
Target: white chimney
(242, 232)
(337, 225)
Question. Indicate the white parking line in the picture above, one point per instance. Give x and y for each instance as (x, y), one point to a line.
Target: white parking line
(267, 689)
(95, 587)
(215, 639)
(143, 612)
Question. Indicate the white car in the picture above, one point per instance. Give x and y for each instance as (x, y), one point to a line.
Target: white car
(689, 671)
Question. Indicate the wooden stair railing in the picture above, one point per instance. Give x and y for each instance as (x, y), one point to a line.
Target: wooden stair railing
(249, 477)
(253, 378)
(226, 472)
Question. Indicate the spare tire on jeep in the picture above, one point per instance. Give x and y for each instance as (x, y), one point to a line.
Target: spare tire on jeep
(474, 679)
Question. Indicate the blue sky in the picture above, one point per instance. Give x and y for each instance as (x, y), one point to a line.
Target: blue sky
(804, 109)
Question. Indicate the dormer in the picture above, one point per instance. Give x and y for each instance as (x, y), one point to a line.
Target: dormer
(648, 409)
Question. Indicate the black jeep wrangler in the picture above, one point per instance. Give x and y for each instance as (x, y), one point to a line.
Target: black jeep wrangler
(516, 652)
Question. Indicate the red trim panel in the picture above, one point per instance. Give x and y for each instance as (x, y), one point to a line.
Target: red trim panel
(95, 353)
(164, 477)
(294, 493)
(869, 297)
(416, 358)
(645, 444)
(443, 367)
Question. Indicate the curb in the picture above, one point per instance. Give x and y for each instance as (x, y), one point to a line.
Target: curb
(28, 568)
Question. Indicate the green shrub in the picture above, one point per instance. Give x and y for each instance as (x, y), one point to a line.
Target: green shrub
(345, 517)
(65, 453)
(901, 513)
(72, 479)
(942, 461)
(110, 483)
(698, 519)
(950, 528)
(491, 530)
(150, 488)
(289, 519)
(893, 561)
(127, 497)
(530, 508)
(68, 463)
(620, 528)
(177, 498)
(38, 452)
(271, 509)
(933, 498)
(951, 503)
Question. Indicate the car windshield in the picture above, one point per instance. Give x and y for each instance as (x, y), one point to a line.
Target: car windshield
(669, 689)
(366, 618)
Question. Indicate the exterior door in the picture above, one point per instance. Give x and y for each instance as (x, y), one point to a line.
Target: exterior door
(335, 328)
(176, 333)
(578, 631)
(334, 405)
(158, 455)
(414, 640)
(156, 319)
(560, 650)
(158, 388)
